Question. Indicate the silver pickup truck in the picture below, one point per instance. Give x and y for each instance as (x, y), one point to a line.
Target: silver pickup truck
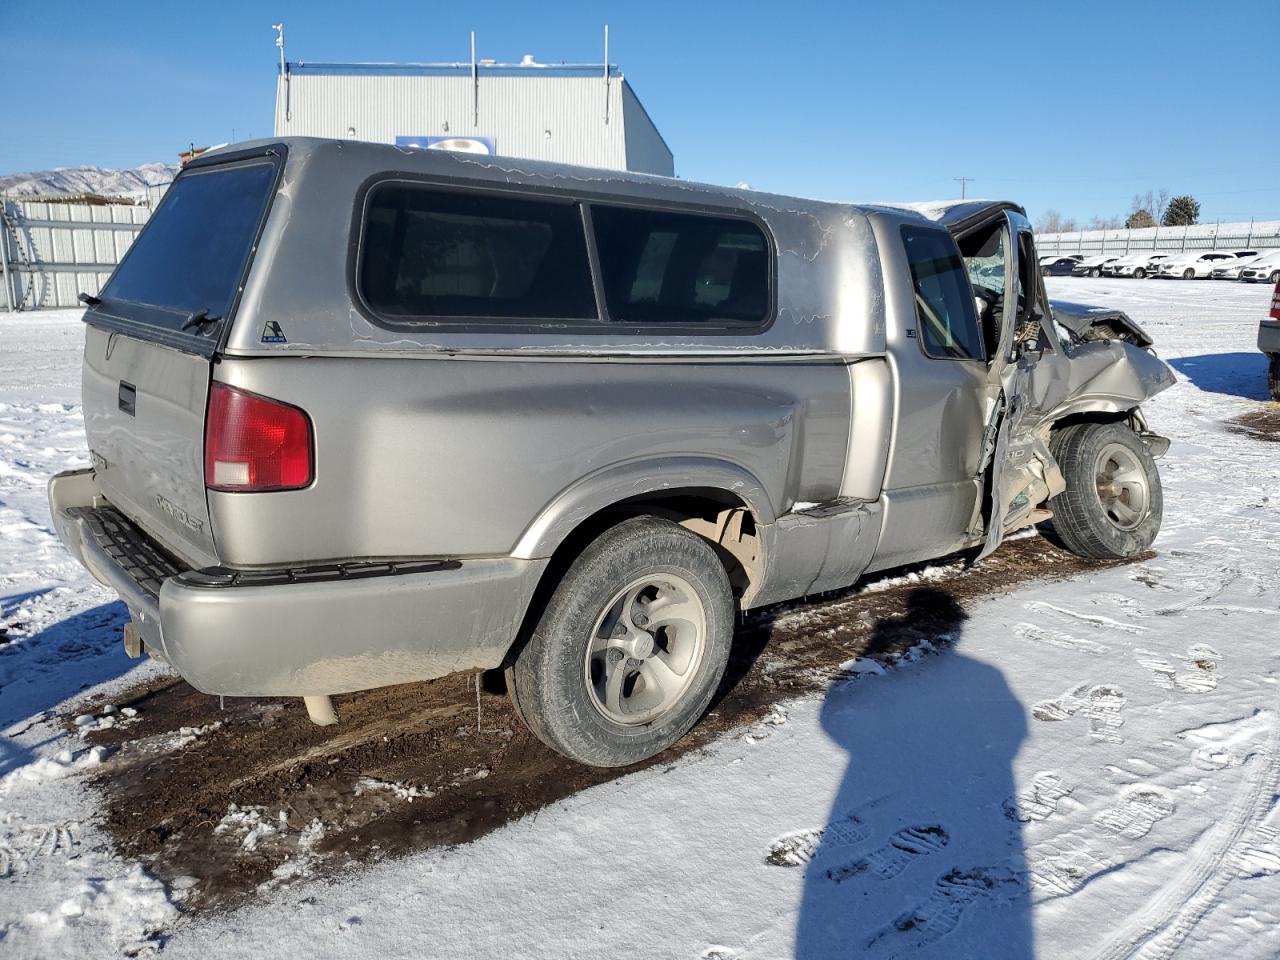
(360, 415)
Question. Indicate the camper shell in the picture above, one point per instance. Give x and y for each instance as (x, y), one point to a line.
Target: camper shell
(809, 390)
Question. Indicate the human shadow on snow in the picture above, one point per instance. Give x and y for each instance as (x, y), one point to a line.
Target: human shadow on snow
(40, 670)
(1234, 374)
(922, 855)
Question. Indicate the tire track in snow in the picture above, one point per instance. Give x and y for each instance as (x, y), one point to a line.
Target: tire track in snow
(1157, 932)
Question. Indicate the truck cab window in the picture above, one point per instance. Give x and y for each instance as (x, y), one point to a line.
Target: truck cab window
(985, 254)
(945, 312)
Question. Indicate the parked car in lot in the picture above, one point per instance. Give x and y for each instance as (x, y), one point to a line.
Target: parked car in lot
(1193, 265)
(1058, 266)
(360, 416)
(1269, 343)
(1136, 265)
(1266, 268)
(1091, 266)
(1230, 269)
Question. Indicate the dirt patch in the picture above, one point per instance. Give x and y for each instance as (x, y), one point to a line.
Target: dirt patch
(219, 801)
(1259, 424)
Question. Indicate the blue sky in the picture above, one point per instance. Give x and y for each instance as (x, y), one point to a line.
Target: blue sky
(1074, 106)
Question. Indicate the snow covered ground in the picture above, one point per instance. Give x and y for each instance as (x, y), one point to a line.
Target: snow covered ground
(1091, 771)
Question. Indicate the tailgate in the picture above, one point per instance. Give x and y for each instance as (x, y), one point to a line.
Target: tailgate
(153, 337)
(144, 410)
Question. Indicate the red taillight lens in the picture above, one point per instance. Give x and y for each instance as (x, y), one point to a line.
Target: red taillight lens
(253, 444)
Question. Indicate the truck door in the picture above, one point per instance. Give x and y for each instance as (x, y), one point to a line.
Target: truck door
(1013, 331)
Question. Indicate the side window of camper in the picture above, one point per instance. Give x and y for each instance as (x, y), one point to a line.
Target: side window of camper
(453, 255)
(660, 267)
(945, 311)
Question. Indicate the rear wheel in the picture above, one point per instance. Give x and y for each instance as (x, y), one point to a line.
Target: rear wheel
(630, 649)
(1095, 272)
(1113, 503)
(1139, 273)
(1273, 376)
(1275, 277)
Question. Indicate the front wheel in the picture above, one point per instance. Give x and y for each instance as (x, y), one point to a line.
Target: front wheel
(631, 647)
(1275, 277)
(1273, 376)
(1139, 274)
(1095, 272)
(1113, 503)
(1188, 274)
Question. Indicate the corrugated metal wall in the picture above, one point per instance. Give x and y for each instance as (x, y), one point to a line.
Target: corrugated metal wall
(556, 118)
(56, 251)
(1245, 235)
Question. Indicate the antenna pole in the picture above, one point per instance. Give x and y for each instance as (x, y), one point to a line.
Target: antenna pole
(964, 183)
(606, 74)
(284, 68)
(475, 84)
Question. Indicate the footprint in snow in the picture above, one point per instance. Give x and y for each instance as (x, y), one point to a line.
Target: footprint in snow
(941, 912)
(895, 855)
(1063, 866)
(1102, 705)
(1038, 801)
(801, 846)
(1138, 811)
(1201, 661)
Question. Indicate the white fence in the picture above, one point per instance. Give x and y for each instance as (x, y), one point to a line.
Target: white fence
(50, 253)
(1246, 235)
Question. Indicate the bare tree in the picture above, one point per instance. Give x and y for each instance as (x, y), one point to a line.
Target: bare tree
(1153, 202)
(1051, 221)
(1103, 223)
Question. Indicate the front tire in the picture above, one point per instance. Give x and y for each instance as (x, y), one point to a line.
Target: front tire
(1139, 274)
(1113, 503)
(1275, 277)
(1188, 274)
(1095, 272)
(631, 647)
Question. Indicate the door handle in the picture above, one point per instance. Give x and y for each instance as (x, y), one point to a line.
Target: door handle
(128, 398)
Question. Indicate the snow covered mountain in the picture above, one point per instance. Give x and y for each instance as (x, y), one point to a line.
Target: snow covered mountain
(88, 180)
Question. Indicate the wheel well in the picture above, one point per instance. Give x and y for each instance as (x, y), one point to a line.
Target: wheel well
(721, 518)
(1090, 416)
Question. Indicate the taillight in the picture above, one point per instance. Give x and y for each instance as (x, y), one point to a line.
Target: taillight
(253, 444)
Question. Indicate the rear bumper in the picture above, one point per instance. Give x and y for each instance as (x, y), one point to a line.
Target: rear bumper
(300, 631)
(1269, 336)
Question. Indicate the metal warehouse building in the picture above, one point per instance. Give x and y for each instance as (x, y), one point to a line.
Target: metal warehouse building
(580, 114)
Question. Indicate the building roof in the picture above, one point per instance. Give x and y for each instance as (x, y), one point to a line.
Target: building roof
(456, 69)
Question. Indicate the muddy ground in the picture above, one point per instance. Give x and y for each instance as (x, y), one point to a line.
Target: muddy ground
(219, 801)
(1259, 424)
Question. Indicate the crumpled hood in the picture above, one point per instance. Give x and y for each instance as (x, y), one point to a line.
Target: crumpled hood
(1088, 322)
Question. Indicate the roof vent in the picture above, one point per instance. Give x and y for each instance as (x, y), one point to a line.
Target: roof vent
(528, 61)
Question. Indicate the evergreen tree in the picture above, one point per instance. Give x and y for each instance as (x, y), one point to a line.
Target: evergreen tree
(1183, 211)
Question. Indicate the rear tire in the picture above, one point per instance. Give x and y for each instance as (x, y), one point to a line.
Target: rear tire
(1275, 277)
(1139, 274)
(1095, 272)
(630, 649)
(1273, 376)
(1113, 503)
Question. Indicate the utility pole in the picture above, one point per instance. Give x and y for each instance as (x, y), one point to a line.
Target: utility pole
(964, 183)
